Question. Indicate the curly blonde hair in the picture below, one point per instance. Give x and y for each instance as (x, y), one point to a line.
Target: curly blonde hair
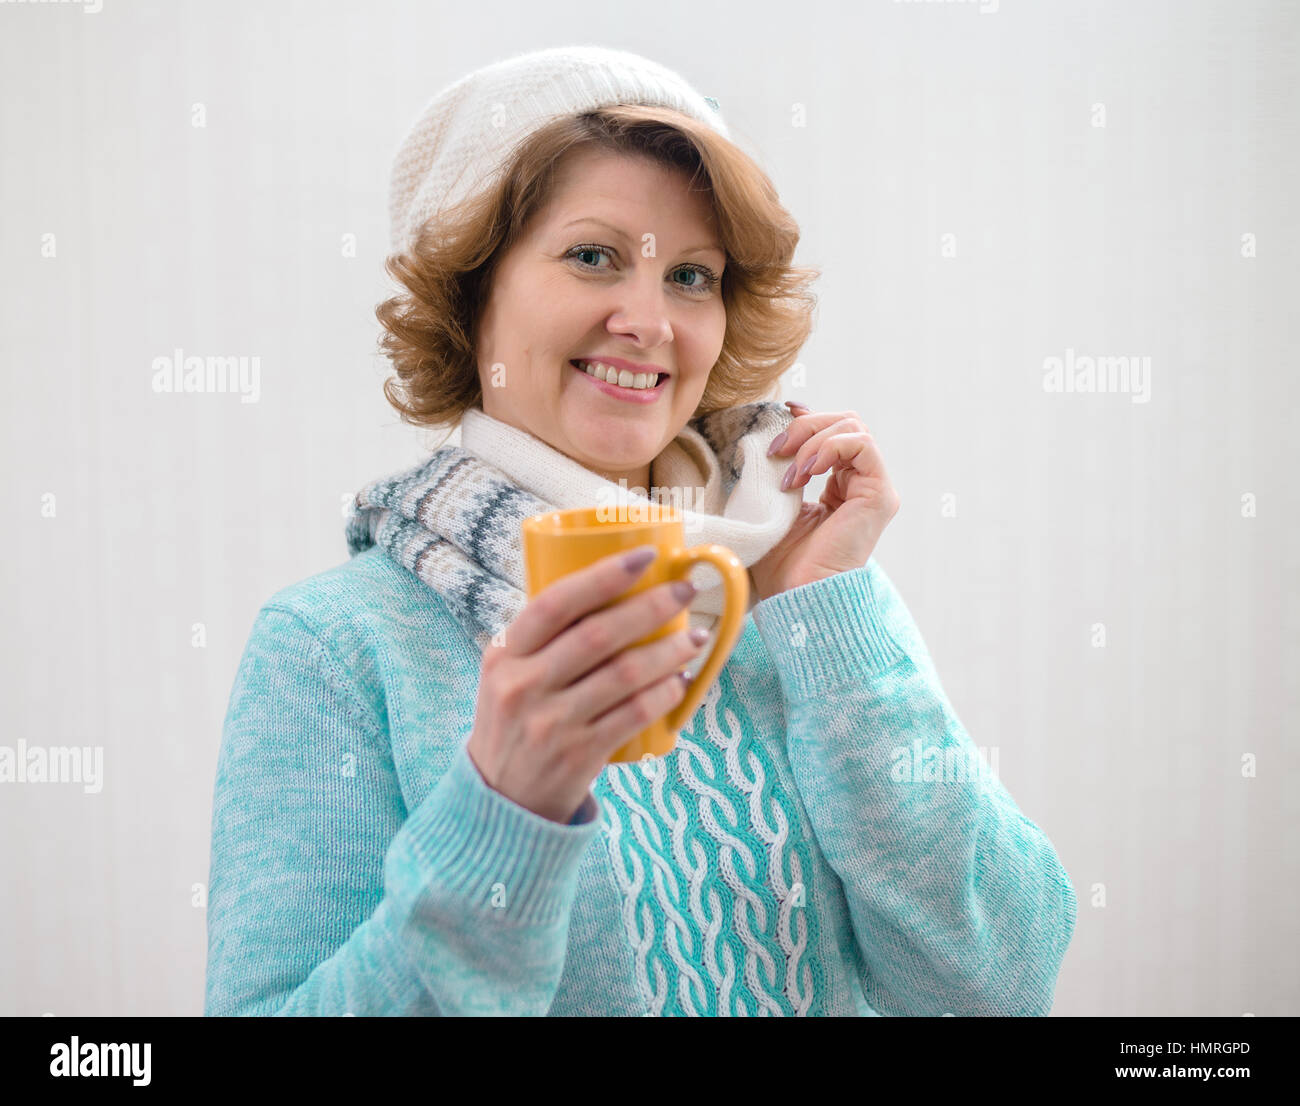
(447, 271)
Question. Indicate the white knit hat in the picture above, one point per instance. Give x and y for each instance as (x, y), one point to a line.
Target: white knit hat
(462, 137)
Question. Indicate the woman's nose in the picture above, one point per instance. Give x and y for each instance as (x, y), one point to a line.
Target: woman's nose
(642, 310)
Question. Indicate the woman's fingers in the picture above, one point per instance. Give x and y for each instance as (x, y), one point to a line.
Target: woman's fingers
(558, 606)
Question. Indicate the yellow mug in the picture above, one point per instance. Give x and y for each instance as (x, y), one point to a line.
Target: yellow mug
(561, 542)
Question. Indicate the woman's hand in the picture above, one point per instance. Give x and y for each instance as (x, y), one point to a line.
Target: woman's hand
(840, 531)
(570, 686)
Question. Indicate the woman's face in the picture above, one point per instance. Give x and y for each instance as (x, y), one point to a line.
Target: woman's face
(623, 264)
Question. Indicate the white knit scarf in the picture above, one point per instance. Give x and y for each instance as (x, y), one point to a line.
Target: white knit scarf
(454, 519)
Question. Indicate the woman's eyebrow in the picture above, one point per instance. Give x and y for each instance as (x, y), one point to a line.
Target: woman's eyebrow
(626, 237)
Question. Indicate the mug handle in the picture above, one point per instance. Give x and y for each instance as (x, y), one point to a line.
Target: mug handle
(735, 584)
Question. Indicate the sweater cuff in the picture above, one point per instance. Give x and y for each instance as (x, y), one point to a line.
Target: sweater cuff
(827, 634)
(474, 840)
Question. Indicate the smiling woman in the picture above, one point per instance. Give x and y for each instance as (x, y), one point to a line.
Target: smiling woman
(418, 807)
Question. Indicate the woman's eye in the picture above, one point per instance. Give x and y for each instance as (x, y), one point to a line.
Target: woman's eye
(703, 282)
(580, 253)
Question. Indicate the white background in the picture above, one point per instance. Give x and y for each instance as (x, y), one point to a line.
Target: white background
(922, 119)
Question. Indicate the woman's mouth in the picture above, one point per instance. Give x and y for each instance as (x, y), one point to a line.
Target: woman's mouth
(600, 376)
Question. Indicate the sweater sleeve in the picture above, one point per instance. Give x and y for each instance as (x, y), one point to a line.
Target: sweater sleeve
(465, 911)
(959, 903)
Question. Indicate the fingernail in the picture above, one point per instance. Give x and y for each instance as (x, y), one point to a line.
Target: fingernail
(777, 443)
(639, 558)
(699, 635)
(808, 465)
(789, 475)
(684, 590)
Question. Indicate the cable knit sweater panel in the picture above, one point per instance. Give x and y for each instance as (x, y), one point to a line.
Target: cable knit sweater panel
(818, 842)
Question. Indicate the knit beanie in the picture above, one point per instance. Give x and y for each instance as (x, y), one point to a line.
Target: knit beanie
(463, 136)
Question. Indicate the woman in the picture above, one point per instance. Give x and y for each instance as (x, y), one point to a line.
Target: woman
(414, 813)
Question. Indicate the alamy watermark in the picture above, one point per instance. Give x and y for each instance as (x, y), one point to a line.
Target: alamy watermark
(179, 373)
(56, 764)
(86, 1058)
(656, 504)
(916, 763)
(1098, 374)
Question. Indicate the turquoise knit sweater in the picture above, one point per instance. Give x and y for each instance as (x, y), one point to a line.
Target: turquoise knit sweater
(820, 841)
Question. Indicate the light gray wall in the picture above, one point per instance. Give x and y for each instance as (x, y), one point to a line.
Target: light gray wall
(1072, 511)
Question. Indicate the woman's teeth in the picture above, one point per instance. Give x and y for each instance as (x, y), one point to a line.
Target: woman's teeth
(622, 377)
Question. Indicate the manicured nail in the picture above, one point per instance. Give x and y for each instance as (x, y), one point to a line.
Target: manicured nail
(639, 558)
(699, 635)
(789, 475)
(808, 465)
(777, 443)
(684, 590)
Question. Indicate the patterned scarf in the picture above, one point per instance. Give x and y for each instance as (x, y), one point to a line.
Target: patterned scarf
(454, 519)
